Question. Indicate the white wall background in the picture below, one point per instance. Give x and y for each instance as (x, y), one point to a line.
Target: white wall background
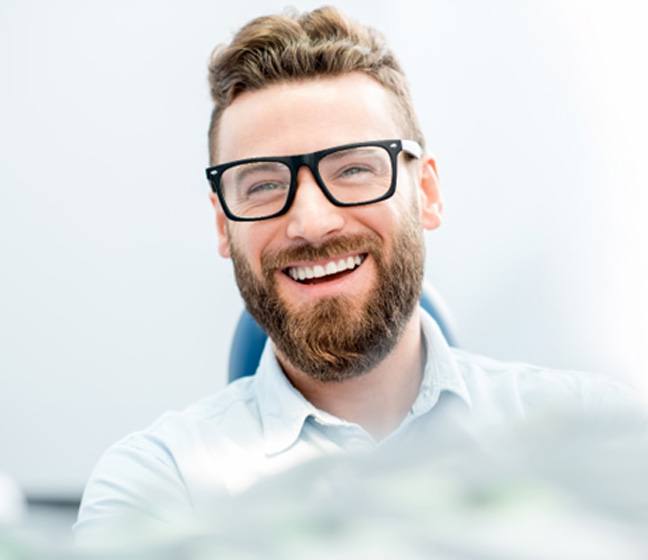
(114, 305)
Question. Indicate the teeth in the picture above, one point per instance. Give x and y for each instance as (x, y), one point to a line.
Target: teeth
(300, 273)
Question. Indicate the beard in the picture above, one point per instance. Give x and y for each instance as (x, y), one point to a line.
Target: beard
(336, 338)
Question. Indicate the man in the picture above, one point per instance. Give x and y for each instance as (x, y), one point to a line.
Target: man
(321, 189)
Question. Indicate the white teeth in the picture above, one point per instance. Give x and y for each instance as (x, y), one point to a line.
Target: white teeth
(300, 273)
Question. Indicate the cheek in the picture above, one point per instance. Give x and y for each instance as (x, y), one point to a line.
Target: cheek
(251, 240)
(407, 192)
(384, 217)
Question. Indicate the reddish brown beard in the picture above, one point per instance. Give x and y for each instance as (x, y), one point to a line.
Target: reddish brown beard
(331, 340)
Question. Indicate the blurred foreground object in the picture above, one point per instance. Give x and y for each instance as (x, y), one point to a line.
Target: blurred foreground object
(12, 503)
(553, 486)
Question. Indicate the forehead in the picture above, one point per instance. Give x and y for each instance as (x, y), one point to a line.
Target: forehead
(305, 116)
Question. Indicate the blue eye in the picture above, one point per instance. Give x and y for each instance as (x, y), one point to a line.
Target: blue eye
(262, 188)
(354, 171)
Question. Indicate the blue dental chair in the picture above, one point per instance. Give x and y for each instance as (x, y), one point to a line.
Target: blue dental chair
(249, 338)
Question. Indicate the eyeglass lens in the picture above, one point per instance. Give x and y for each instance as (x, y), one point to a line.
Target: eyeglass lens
(261, 188)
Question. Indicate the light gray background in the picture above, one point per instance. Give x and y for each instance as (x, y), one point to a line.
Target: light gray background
(114, 305)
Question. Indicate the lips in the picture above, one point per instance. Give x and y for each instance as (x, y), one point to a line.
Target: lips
(326, 270)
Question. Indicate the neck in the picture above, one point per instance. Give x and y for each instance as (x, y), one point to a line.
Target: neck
(379, 399)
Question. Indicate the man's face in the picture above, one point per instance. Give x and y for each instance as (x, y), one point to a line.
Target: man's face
(344, 323)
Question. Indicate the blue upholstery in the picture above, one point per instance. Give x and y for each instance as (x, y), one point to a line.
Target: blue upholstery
(249, 338)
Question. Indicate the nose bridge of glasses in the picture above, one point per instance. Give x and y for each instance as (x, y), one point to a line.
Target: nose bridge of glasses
(305, 168)
(312, 215)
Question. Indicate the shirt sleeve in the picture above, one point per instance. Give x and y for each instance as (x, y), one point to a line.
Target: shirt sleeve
(135, 488)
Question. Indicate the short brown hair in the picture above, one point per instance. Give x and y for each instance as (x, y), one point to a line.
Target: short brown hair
(293, 46)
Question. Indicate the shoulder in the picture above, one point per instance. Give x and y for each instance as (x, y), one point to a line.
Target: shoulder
(524, 388)
(151, 473)
(224, 412)
(232, 407)
(236, 401)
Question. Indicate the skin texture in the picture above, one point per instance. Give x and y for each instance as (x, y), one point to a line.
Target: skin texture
(305, 116)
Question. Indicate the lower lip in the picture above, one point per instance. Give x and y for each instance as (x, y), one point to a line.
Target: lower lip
(331, 287)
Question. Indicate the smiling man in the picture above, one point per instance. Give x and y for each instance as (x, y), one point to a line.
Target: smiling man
(322, 189)
(329, 259)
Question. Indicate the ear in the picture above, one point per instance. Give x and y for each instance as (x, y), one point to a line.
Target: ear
(431, 205)
(221, 227)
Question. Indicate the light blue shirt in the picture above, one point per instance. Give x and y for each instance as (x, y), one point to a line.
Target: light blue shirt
(261, 425)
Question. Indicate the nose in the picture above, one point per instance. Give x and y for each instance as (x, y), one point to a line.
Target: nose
(312, 217)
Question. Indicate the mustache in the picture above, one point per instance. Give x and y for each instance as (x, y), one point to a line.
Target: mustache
(362, 243)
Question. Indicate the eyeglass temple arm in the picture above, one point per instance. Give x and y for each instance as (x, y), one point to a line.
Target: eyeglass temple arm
(412, 147)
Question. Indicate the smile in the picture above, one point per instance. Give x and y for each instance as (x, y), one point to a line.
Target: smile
(325, 271)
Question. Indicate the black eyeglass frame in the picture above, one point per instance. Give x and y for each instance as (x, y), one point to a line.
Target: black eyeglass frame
(311, 160)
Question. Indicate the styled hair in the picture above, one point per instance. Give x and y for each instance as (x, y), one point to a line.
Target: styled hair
(293, 47)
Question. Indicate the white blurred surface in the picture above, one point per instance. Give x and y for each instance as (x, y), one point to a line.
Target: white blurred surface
(12, 503)
(114, 305)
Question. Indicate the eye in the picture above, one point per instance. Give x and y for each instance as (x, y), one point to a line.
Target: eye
(354, 170)
(262, 188)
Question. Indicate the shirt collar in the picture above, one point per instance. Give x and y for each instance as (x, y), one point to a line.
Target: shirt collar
(441, 372)
(283, 409)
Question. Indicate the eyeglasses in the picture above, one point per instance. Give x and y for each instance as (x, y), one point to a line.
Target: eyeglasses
(261, 188)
